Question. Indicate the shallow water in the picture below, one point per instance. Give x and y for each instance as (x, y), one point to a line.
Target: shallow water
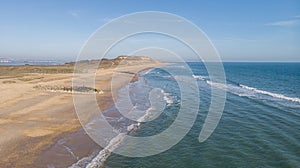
(259, 127)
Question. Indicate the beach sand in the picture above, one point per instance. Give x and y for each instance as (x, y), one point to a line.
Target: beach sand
(39, 127)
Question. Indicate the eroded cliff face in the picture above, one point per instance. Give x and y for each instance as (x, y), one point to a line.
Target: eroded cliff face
(120, 60)
(134, 60)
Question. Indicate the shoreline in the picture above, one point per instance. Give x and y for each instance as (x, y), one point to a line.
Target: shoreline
(35, 141)
(78, 142)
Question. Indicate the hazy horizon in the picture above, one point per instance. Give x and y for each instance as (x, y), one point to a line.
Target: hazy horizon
(252, 31)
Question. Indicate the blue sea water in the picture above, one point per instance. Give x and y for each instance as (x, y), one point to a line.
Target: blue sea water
(17, 63)
(260, 125)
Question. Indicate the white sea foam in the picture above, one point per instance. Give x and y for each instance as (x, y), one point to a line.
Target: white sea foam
(147, 72)
(234, 89)
(132, 127)
(105, 153)
(80, 163)
(71, 152)
(143, 118)
(217, 85)
(247, 91)
(199, 77)
(167, 97)
(244, 95)
(114, 143)
(276, 95)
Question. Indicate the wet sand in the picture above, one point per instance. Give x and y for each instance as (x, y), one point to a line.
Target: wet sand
(39, 128)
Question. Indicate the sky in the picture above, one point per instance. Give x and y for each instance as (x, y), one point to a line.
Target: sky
(251, 30)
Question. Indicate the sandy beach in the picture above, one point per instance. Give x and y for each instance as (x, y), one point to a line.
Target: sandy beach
(35, 121)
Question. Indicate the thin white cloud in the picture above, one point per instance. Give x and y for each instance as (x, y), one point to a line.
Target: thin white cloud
(138, 21)
(284, 23)
(106, 19)
(74, 13)
(297, 16)
(238, 40)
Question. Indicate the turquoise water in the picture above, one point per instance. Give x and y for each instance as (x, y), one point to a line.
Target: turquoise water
(260, 126)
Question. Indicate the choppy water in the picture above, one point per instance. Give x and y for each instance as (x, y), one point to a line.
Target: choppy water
(260, 126)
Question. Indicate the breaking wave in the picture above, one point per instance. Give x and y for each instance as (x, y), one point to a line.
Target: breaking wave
(275, 95)
(99, 159)
(247, 91)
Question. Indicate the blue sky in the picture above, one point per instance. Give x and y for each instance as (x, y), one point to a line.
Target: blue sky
(240, 30)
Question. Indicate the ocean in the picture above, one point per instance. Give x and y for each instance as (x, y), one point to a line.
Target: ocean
(260, 125)
(18, 63)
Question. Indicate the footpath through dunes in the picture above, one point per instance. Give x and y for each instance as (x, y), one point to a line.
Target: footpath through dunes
(33, 120)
